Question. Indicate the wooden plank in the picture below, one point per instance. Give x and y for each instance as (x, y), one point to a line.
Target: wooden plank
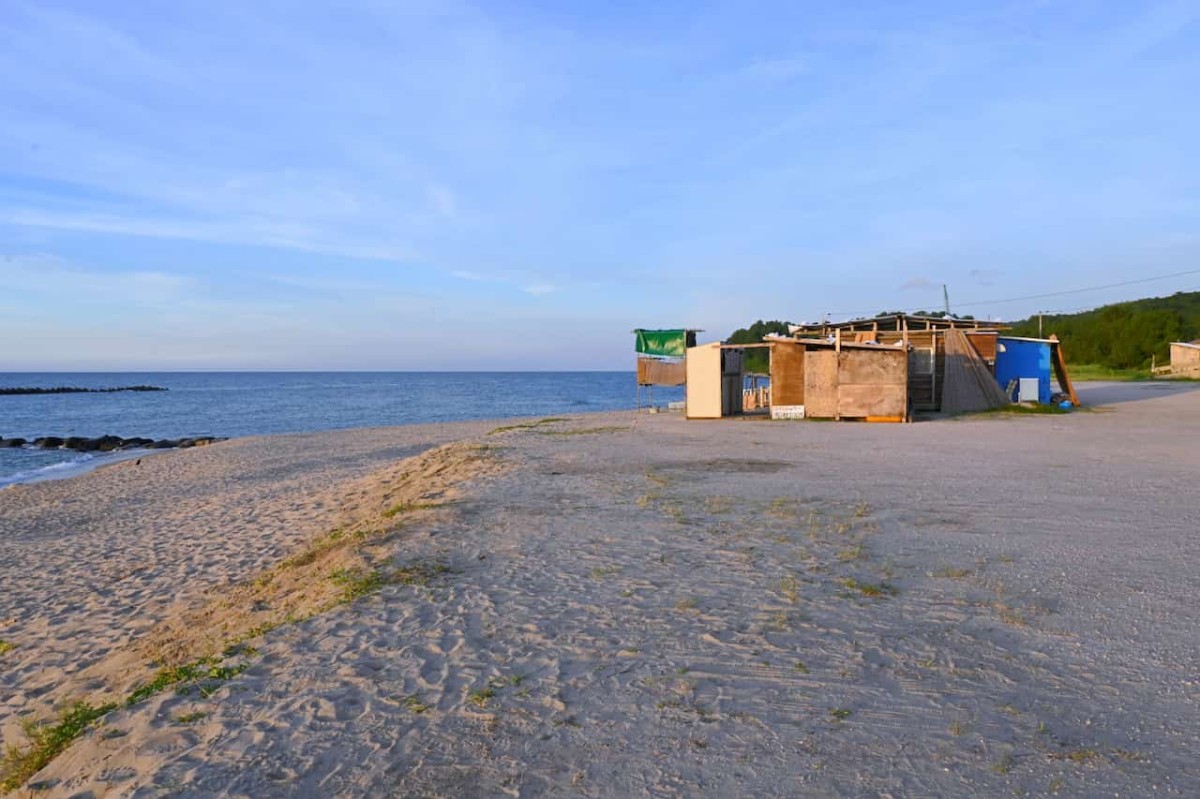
(872, 400)
(984, 342)
(787, 374)
(656, 372)
(917, 338)
(1060, 370)
(873, 367)
(820, 384)
(968, 383)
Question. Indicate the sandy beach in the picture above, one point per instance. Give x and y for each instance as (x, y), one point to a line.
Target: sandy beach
(616, 605)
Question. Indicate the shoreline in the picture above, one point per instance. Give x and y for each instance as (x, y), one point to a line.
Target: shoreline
(91, 461)
(621, 604)
(65, 470)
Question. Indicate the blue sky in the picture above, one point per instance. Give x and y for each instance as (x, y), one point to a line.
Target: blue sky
(392, 185)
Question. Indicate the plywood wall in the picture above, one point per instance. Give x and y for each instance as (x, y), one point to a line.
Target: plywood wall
(984, 343)
(856, 383)
(872, 367)
(820, 384)
(787, 374)
(861, 402)
(872, 383)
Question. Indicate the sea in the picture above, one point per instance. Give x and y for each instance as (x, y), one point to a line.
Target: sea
(233, 404)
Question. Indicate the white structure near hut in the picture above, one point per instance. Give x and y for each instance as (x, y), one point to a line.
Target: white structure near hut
(714, 381)
(1185, 360)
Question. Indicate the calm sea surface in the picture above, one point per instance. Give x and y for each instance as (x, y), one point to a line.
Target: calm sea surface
(250, 403)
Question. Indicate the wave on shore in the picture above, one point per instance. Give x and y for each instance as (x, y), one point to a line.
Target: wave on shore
(61, 470)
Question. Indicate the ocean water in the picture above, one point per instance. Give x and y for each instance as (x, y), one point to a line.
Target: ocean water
(232, 404)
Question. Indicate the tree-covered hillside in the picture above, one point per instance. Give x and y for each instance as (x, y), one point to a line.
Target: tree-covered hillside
(757, 360)
(1122, 336)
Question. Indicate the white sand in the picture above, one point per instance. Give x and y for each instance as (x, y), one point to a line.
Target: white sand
(652, 608)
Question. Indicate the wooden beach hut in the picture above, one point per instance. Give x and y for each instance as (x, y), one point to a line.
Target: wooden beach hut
(816, 379)
(924, 337)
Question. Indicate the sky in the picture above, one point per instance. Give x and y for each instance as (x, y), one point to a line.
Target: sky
(391, 185)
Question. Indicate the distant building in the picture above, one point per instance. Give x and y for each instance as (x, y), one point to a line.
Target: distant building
(1185, 360)
(879, 369)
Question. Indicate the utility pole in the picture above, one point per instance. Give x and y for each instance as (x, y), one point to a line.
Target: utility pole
(946, 299)
(1040, 324)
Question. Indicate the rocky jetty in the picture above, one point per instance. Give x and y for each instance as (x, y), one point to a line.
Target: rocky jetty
(10, 391)
(107, 443)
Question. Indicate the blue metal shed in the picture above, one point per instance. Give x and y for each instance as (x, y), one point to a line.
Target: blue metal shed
(1018, 358)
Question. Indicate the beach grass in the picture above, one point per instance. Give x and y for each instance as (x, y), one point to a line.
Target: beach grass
(1094, 371)
(47, 741)
(873, 590)
(526, 425)
(586, 431)
(286, 589)
(205, 670)
(1034, 409)
(409, 507)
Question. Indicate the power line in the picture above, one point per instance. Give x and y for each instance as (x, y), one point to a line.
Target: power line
(1079, 291)
(1047, 294)
(1065, 311)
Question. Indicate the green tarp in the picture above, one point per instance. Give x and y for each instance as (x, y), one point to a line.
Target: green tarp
(670, 343)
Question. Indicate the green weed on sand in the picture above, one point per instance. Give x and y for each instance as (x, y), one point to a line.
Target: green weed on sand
(47, 741)
(526, 425)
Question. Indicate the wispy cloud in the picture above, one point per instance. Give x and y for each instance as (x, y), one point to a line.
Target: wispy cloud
(277, 233)
(260, 151)
(516, 280)
(42, 277)
(915, 283)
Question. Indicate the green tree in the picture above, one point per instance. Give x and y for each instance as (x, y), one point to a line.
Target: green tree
(757, 360)
(1122, 336)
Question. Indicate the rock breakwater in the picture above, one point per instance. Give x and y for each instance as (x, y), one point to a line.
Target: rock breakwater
(106, 443)
(15, 390)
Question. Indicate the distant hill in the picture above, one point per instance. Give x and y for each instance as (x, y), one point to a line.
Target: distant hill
(1125, 335)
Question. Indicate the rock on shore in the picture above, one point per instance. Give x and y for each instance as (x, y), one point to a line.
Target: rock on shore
(107, 443)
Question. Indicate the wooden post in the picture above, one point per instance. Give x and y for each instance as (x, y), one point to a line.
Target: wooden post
(1060, 369)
